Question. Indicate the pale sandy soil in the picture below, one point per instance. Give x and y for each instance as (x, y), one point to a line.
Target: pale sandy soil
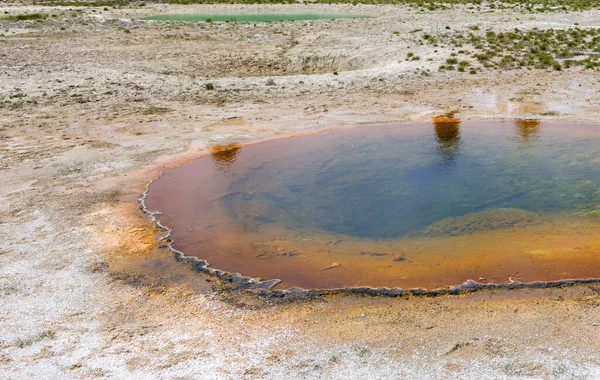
(84, 290)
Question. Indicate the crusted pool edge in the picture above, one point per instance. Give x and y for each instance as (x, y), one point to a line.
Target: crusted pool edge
(264, 288)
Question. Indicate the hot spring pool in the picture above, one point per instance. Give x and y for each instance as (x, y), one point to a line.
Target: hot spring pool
(398, 205)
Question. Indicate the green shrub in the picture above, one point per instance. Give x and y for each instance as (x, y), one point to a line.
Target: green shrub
(27, 16)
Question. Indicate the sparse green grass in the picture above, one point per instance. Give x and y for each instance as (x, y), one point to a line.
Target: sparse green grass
(44, 335)
(410, 56)
(549, 49)
(421, 5)
(24, 17)
(433, 5)
(8, 289)
(100, 3)
(156, 110)
(362, 352)
(209, 86)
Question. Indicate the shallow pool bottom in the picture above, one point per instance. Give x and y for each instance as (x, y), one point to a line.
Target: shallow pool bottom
(404, 205)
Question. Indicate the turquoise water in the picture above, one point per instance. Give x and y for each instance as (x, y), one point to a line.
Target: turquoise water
(252, 17)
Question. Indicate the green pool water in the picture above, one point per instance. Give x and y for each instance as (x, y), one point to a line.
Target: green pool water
(252, 17)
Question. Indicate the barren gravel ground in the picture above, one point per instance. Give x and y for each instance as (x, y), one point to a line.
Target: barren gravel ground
(94, 104)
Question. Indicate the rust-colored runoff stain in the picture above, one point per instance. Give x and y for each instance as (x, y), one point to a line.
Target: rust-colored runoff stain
(447, 134)
(528, 129)
(401, 205)
(225, 155)
(447, 118)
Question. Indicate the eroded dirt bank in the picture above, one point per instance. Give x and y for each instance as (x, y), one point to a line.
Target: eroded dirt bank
(94, 105)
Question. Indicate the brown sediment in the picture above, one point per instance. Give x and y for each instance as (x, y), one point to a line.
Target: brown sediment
(448, 117)
(546, 253)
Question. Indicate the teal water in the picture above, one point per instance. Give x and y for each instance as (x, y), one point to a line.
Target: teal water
(252, 17)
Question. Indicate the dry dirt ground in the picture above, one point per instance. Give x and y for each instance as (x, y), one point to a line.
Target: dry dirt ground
(95, 103)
